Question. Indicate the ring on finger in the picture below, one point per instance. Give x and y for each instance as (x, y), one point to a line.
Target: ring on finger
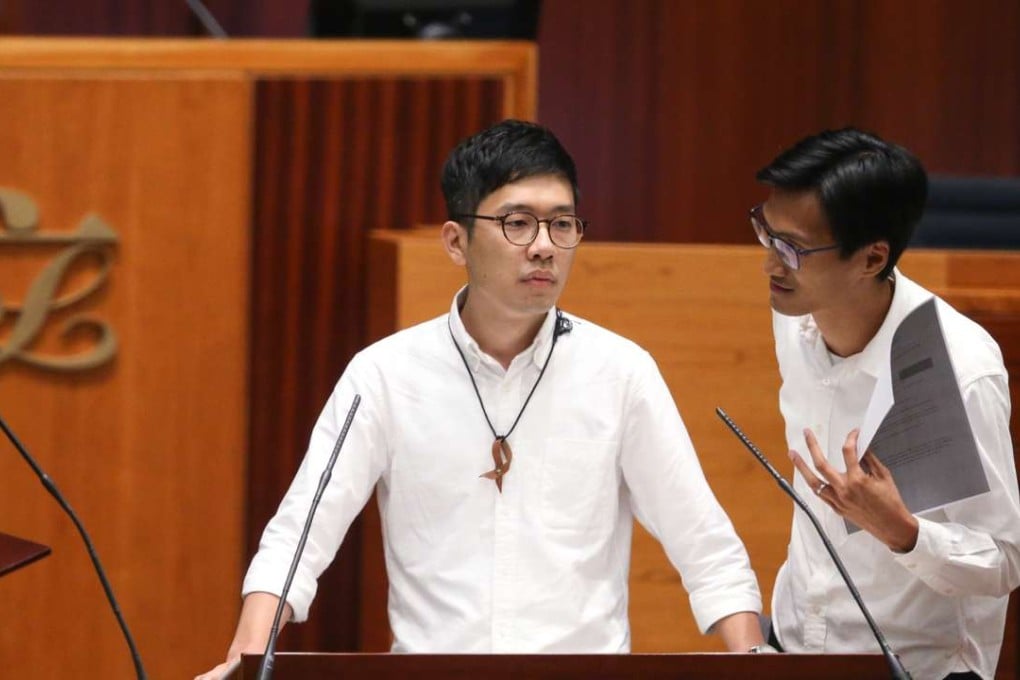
(820, 488)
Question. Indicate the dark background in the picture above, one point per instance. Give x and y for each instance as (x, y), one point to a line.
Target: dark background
(669, 107)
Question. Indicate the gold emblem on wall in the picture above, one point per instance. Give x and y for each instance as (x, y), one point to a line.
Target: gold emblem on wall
(58, 283)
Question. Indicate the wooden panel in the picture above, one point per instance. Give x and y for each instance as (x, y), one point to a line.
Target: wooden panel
(670, 107)
(514, 63)
(703, 313)
(348, 136)
(148, 449)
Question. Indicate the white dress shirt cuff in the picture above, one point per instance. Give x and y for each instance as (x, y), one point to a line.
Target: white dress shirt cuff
(264, 577)
(708, 611)
(931, 552)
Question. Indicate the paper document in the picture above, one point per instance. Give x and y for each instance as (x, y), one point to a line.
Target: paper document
(916, 423)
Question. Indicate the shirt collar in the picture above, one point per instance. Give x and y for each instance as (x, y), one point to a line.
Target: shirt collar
(907, 295)
(536, 352)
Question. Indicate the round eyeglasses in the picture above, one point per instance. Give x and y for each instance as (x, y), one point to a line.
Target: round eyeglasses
(521, 228)
(788, 253)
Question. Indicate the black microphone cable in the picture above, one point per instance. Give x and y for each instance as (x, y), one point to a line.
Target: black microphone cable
(52, 488)
(895, 665)
(206, 18)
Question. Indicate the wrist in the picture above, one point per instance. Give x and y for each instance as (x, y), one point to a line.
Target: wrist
(906, 539)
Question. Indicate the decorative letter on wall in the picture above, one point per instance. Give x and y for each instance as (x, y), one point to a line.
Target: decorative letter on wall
(20, 220)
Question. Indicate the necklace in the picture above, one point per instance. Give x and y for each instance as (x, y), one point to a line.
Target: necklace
(502, 454)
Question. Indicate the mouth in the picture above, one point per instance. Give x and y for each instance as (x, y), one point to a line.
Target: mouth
(777, 287)
(540, 279)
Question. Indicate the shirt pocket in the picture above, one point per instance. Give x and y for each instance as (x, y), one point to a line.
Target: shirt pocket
(577, 489)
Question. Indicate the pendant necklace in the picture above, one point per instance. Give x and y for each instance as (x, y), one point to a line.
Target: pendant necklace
(502, 454)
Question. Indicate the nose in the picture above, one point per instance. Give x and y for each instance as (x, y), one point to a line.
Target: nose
(542, 247)
(773, 265)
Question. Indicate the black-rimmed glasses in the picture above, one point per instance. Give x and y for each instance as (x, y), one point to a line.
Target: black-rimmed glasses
(521, 228)
(787, 252)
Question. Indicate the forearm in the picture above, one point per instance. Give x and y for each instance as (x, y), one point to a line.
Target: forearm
(739, 631)
(255, 624)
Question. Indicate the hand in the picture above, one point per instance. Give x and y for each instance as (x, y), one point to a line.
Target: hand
(866, 495)
(222, 670)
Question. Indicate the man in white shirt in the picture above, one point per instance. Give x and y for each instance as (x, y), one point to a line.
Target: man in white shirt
(511, 446)
(842, 208)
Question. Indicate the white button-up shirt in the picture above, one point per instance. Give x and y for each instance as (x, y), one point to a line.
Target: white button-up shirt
(942, 606)
(542, 566)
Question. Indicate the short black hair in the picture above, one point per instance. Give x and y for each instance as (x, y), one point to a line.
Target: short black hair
(504, 153)
(870, 190)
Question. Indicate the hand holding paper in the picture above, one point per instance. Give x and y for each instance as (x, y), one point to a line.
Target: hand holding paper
(865, 495)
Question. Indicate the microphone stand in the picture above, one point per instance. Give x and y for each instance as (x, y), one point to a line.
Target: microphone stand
(51, 487)
(266, 667)
(895, 665)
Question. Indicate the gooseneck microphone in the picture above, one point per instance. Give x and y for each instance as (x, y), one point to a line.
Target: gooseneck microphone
(266, 667)
(51, 487)
(895, 666)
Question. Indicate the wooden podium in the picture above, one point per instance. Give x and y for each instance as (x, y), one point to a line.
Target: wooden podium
(566, 666)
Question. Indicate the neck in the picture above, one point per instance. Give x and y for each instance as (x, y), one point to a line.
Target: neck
(848, 328)
(502, 338)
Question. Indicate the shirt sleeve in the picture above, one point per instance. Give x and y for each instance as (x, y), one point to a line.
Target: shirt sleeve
(360, 463)
(976, 550)
(672, 499)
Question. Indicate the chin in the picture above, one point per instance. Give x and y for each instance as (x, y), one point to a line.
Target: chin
(785, 308)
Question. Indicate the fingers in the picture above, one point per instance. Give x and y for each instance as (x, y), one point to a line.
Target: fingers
(828, 475)
(874, 466)
(814, 483)
(805, 471)
(850, 451)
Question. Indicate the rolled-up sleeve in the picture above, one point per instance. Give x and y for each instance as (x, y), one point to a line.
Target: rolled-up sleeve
(358, 467)
(672, 499)
(976, 550)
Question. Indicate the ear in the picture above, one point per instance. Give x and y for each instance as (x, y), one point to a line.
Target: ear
(455, 240)
(876, 257)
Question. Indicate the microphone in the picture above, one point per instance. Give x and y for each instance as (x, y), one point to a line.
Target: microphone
(266, 667)
(51, 487)
(895, 666)
(563, 325)
(206, 18)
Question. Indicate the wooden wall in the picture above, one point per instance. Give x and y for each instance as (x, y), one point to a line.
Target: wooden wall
(670, 107)
(149, 448)
(243, 176)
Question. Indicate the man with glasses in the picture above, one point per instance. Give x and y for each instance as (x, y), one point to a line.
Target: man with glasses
(841, 210)
(511, 445)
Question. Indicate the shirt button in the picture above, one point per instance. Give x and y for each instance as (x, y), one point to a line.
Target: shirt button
(826, 382)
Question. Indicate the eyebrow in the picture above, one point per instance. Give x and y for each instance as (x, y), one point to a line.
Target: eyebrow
(524, 207)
